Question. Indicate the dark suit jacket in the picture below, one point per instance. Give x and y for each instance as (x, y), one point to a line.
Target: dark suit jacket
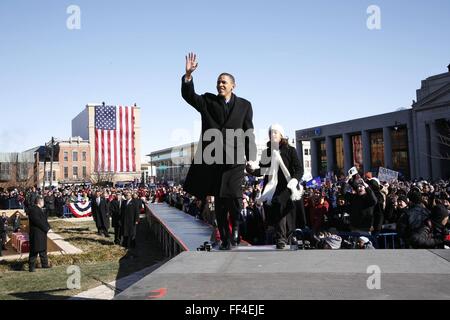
(100, 213)
(130, 215)
(224, 179)
(38, 229)
(115, 210)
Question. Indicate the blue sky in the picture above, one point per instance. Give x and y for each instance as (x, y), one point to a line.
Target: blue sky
(300, 63)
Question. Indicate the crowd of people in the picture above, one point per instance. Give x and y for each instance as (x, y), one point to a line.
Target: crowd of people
(360, 208)
(110, 207)
(351, 213)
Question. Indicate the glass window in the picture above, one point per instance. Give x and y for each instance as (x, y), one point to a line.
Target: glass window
(66, 173)
(47, 176)
(339, 156)
(5, 172)
(323, 159)
(306, 152)
(75, 172)
(84, 172)
(376, 150)
(357, 152)
(400, 157)
(75, 156)
(83, 156)
(66, 156)
(22, 171)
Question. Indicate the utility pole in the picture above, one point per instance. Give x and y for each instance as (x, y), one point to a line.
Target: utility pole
(45, 165)
(51, 163)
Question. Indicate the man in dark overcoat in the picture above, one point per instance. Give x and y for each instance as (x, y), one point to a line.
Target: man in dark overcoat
(219, 164)
(129, 221)
(116, 214)
(100, 212)
(39, 228)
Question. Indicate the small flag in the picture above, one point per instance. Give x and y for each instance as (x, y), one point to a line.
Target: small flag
(314, 183)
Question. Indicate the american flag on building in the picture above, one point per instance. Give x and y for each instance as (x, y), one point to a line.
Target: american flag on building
(114, 139)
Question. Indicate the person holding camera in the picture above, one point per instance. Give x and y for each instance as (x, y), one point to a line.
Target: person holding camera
(361, 202)
(433, 234)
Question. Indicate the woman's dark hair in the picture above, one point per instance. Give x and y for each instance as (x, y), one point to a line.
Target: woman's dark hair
(284, 142)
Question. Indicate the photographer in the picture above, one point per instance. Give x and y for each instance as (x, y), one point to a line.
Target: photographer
(361, 202)
(432, 235)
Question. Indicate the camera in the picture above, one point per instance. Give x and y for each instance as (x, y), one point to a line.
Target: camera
(206, 246)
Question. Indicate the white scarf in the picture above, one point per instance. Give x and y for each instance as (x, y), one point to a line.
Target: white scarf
(276, 162)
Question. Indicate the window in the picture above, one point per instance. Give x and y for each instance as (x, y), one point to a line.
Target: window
(22, 171)
(400, 159)
(66, 156)
(47, 176)
(84, 172)
(306, 152)
(376, 149)
(83, 156)
(75, 156)
(5, 174)
(75, 172)
(357, 152)
(66, 173)
(339, 156)
(323, 159)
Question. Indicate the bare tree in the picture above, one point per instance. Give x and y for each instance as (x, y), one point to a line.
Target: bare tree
(102, 178)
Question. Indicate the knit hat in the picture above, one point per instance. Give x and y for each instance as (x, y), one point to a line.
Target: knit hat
(402, 198)
(415, 196)
(374, 183)
(334, 241)
(278, 128)
(438, 214)
(364, 239)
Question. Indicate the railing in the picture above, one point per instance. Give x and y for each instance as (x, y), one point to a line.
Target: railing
(170, 243)
(11, 204)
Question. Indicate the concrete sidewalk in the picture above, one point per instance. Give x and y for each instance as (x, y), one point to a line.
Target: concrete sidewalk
(109, 290)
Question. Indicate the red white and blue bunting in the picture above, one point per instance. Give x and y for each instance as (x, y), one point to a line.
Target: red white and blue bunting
(81, 209)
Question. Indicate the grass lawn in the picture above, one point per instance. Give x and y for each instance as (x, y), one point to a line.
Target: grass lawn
(101, 262)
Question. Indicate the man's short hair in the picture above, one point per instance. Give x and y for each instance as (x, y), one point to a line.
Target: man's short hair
(38, 199)
(227, 75)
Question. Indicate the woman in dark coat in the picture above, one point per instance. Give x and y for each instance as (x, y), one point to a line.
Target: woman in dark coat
(38, 234)
(277, 190)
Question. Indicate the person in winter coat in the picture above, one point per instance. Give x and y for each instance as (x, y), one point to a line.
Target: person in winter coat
(339, 217)
(116, 213)
(362, 203)
(277, 192)
(100, 213)
(319, 210)
(222, 177)
(378, 210)
(129, 221)
(3, 232)
(413, 218)
(432, 234)
(39, 228)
